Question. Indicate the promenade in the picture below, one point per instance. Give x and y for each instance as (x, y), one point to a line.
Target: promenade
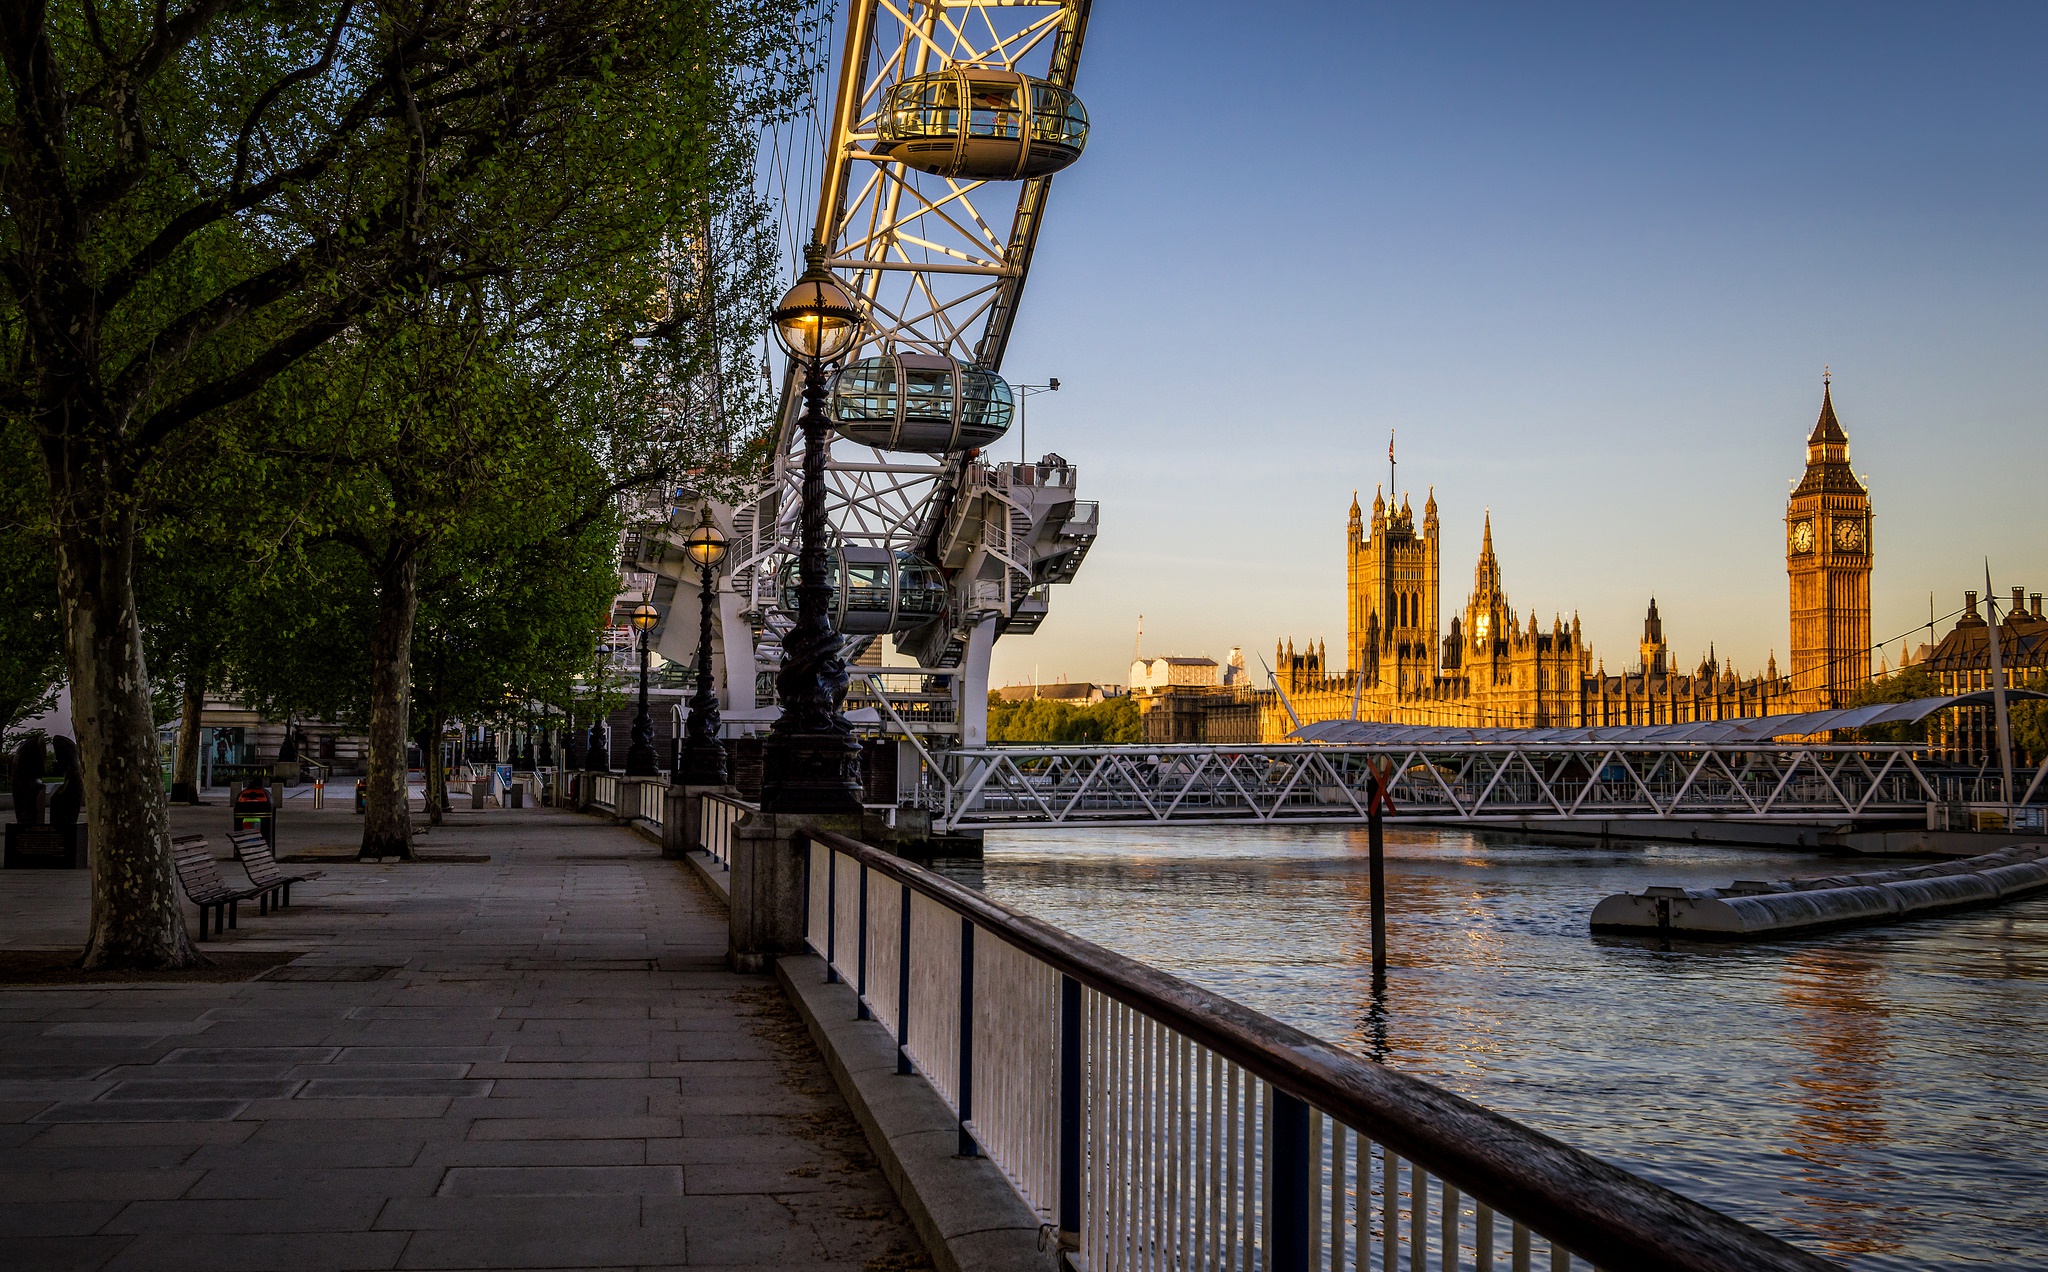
(532, 1061)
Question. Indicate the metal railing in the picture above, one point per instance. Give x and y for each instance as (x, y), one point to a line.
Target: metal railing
(719, 816)
(1155, 1125)
(1471, 782)
(603, 791)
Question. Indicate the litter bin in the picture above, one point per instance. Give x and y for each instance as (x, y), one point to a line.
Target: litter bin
(480, 793)
(515, 795)
(254, 810)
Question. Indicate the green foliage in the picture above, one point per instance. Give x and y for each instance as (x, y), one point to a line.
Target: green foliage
(1905, 685)
(1048, 720)
(2030, 721)
(31, 635)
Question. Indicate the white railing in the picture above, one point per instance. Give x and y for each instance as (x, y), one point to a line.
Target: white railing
(1155, 1125)
(718, 817)
(1471, 782)
(604, 791)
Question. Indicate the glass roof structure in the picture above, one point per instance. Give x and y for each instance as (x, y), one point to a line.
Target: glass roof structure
(1705, 732)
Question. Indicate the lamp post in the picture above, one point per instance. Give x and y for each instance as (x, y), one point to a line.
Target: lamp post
(810, 762)
(640, 755)
(700, 760)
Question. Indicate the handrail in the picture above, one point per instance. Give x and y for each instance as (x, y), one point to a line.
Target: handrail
(718, 816)
(1595, 1209)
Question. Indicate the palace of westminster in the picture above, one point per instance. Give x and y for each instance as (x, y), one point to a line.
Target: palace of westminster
(1493, 668)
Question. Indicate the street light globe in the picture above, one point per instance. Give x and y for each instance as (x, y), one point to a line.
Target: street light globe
(818, 321)
(706, 544)
(645, 617)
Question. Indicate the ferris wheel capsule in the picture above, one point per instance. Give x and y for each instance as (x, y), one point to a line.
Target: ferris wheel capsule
(982, 123)
(920, 402)
(874, 590)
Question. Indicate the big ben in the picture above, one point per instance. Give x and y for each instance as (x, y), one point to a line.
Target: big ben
(1828, 555)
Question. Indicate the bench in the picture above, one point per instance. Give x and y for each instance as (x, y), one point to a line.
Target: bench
(256, 857)
(200, 877)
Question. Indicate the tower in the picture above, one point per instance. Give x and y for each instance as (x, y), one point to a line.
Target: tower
(1392, 617)
(1489, 622)
(1655, 653)
(1828, 557)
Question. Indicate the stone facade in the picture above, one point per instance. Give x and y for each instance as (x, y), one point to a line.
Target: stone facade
(1961, 663)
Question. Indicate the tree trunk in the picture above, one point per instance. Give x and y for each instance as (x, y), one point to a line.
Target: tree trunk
(185, 769)
(137, 919)
(387, 824)
(436, 773)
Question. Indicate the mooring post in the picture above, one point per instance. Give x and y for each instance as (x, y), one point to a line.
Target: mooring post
(1376, 855)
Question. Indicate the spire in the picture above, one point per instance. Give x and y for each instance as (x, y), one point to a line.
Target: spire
(1379, 504)
(1827, 428)
(1486, 577)
(1354, 507)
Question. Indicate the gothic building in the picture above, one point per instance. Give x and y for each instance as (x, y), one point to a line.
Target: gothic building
(1493, 668)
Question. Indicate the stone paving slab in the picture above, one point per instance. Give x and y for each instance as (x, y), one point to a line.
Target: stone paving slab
(559, 1074)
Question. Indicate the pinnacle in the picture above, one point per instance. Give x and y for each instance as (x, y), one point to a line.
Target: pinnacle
(1827, 428)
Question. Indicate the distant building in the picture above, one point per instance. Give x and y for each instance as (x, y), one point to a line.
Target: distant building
(1192, 700)
(1149, 675)
(1961, 663)
(1078, 692)
(1234, 672)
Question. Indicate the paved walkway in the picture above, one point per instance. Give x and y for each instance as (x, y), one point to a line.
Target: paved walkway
(557, 1072)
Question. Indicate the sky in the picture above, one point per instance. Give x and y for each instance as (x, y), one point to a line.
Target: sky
(1587, 262)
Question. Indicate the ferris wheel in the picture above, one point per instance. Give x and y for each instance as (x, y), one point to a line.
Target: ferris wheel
(932, 176)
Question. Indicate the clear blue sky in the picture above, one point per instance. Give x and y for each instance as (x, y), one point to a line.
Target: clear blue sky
(1588, 261)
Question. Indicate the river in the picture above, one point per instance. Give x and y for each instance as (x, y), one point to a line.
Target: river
(1877, 1095)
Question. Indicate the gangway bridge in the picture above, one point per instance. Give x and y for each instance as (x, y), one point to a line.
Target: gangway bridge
(1765, 770)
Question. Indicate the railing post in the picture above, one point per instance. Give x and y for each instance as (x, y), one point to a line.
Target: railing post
(806, 840)
(1070, 1114)
(903, 988)
(831, 914)
(968, 1148)
(860, 970)
(1287, 1200)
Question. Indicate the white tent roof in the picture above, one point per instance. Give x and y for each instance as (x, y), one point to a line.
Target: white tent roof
(1753, 729)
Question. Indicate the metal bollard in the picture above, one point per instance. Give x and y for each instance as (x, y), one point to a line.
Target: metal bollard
(319, 793)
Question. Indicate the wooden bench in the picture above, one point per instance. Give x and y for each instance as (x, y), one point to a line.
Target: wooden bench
(253, 850)
(199, 875)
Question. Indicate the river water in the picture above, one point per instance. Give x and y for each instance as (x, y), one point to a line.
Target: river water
(1879, 1095)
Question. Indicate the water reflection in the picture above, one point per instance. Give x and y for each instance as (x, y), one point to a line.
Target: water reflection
(1836, 1011)
(1877, 1095)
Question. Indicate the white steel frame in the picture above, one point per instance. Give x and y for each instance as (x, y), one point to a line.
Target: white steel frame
(928, 260)
(1477, 783)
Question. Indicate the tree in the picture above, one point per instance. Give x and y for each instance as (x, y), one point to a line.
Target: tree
(509, 625)
(198, 197)
(1907, 684)
(1052, 720)
(31, 635)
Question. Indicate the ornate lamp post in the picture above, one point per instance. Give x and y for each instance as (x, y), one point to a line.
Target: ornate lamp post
(810, 763)
(640, 755)
(700, 760)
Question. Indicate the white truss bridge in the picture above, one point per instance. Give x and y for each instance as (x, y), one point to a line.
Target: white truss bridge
(1478, 783)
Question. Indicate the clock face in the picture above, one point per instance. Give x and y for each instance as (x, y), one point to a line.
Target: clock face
(1802, 536)
(1849, 536)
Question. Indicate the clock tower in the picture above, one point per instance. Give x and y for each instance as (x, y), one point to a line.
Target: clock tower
(1828, 556)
